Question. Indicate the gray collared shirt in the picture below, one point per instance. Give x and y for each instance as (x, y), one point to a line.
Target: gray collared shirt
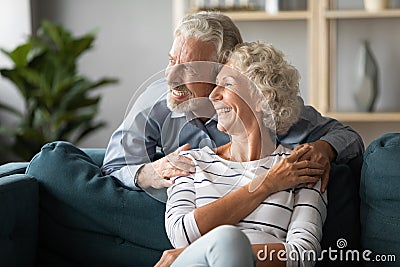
(137, 139)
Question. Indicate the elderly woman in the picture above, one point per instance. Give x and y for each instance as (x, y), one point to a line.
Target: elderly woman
(256, 98)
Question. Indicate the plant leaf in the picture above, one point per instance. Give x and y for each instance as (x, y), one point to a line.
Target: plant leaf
(20, 54)
(7, 130)
(15, 76)
(11, 109)
(102, 82)
(57, 36)
(78, 46)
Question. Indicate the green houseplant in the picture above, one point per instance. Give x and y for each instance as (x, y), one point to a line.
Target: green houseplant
(59, 103)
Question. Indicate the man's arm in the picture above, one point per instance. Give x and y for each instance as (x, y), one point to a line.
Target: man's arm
(130, 155)
(128, 149)
(346, 143)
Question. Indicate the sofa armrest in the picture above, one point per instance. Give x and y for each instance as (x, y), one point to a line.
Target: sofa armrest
(19, 208)
(13, 168)
(96, 154)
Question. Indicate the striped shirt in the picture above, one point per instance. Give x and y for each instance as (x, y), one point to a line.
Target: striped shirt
(293, 217)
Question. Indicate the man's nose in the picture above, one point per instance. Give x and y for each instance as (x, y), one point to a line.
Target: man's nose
(174, 74)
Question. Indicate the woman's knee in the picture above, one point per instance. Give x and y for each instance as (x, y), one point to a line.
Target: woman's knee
(229, 236)
(229, 246)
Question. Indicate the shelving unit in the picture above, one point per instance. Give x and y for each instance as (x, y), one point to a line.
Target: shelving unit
(322, 18)
(261, 15)
(328, 19)
(361, 14)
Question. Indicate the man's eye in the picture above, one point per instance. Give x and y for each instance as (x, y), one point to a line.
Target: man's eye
(171, 61)
(227, 84)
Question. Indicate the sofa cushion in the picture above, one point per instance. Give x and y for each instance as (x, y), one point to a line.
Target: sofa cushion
(77, 200)
(19, 206)
(380, 197)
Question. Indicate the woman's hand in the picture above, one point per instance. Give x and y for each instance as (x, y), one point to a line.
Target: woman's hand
(168, 257)
(289, 172)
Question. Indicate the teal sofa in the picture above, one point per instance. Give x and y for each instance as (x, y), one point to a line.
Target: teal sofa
(59, 210)
(45, 223)
(380, 201)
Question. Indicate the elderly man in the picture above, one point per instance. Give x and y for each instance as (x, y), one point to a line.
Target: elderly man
(179, 121)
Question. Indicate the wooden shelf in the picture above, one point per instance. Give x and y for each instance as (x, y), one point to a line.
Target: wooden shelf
(365, 116)
(261, 15)
(359, 14)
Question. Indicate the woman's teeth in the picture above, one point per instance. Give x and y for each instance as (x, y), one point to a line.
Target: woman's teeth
(224, 110)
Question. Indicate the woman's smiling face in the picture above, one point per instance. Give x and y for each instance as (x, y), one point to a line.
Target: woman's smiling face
(234, 102)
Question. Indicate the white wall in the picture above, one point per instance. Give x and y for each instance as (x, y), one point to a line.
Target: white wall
(15, 27)
(133, 41)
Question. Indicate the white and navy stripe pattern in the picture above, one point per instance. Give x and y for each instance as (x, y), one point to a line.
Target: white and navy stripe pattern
(294, 217)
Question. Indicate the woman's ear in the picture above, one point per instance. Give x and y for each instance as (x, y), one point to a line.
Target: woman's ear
(259, 106)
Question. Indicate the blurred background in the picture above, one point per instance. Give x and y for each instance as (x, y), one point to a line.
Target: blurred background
(133, 39)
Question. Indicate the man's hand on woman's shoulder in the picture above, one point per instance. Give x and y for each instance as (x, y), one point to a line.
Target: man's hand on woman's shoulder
(158, 174)
(322, 152)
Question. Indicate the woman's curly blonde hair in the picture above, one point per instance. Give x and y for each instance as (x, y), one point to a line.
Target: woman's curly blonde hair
(275, 79)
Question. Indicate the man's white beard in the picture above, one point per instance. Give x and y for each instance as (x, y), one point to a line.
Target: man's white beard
(186, 106)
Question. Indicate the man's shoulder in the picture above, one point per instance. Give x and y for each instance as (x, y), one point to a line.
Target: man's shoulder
(159, 111)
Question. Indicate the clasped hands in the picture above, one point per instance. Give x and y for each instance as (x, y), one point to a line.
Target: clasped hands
(306, 165)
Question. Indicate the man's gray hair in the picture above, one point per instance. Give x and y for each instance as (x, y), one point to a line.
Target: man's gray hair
(214, 27)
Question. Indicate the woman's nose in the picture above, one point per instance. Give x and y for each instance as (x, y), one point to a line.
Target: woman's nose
(216, 93)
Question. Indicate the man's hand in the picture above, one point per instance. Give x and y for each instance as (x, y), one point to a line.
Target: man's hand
(168, 257)
(322, 152)
(158, 173)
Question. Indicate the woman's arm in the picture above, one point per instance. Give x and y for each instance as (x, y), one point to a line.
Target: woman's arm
(302, 246)
(305, 229)
(185, 222)
(237, 205)
(180, 224)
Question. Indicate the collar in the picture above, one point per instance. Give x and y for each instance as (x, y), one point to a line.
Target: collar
(190, 116)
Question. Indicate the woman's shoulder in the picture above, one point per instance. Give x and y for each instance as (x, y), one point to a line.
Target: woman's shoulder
(282, 151)
(197, 154)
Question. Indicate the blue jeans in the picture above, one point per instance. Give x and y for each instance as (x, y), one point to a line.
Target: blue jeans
(223, 246)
